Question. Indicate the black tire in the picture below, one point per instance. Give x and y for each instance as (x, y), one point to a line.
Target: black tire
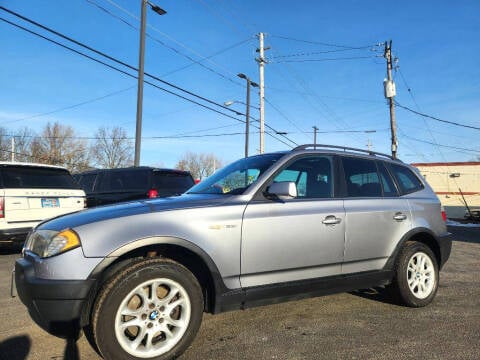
(164, 326)
(414, 284)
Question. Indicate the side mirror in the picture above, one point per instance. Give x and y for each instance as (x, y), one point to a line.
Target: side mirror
(283, 190)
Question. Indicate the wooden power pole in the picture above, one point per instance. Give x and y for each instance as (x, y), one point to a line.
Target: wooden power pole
(390, 92)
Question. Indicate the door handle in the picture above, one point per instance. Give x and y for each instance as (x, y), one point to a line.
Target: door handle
(399, 216)
(331, 220)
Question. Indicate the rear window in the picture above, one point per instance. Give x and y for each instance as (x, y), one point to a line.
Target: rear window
(37, 178)
(171, 183)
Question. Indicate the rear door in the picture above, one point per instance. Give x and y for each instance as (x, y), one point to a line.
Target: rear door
(376, 216)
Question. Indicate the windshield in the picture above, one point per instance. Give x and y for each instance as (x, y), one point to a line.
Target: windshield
(236, 177)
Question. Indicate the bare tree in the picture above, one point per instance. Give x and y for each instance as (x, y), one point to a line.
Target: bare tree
(57, 145)
(112, 148)
(5, 145)
(199, 165)
(21, 144)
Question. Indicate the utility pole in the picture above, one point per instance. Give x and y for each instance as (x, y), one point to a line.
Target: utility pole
(141, 56)
(315, 129)
(247, 111)
(13, 149)
(261, 62)
(390, 92)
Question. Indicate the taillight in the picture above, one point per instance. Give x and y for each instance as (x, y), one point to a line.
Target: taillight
(152, 193)
(444, 214)
(2, 202)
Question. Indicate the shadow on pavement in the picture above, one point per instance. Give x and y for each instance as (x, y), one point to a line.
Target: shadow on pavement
(71, 350)
(15, 348)
(9, 250)
(379, 294)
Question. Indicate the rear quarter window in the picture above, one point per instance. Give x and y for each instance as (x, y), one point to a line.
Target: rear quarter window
(37, 178)
(406, 179)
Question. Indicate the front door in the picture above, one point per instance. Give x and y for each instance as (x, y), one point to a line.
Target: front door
(299, 238)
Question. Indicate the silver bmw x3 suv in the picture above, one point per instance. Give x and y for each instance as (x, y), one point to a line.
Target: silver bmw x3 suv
(136, 277)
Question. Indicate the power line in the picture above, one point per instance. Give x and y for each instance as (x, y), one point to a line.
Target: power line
(193, 61)
(310, 53)
(435, 118)
(112, 58)
(71, 106)
(323, 43)
(130, 67)
(321, 60)
(126, 73)
(113, 3)
(445, 146)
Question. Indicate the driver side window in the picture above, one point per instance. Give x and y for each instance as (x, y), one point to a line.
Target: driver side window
(312, 175)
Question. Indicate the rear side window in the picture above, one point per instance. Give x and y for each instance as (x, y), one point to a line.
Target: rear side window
(406, 179)
(171, 183)
(37, 178)
(361, 177)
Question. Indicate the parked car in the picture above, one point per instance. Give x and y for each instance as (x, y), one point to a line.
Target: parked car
(30, 193)
(107, 186)
(267, 228)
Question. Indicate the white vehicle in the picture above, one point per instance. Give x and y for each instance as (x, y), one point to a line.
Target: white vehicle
(31, 193)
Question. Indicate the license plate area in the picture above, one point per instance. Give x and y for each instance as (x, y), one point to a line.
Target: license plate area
(50, 202)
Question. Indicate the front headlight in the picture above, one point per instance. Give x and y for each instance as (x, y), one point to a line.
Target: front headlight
(46, 243)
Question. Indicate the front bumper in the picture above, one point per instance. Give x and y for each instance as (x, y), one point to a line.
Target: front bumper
(55, 305)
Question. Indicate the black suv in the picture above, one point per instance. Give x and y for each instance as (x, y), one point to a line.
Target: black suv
(107, 186)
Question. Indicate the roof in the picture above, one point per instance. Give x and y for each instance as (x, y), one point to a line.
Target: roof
(9, 163)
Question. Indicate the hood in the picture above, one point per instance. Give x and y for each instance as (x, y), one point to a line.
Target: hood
(101, 213)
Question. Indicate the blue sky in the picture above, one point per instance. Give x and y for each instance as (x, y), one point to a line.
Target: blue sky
(308, 83)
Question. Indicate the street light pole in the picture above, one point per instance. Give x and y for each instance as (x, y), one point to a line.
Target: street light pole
(247, 112)
(141, 56)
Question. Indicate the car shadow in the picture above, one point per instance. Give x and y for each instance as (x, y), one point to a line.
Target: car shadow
(15, 348)
(379, 294)
(71, 350)
(10, 250)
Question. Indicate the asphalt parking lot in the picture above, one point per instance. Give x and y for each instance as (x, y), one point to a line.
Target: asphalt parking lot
(361, 325)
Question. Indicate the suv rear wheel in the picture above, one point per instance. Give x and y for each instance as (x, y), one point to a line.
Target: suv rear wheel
(150, 310)
(416, 275)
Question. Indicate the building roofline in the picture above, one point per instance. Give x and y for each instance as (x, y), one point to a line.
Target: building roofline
(458, 163)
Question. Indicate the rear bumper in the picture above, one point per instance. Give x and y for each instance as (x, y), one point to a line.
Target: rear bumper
(14, 235)
(445, 245)
(55, 305)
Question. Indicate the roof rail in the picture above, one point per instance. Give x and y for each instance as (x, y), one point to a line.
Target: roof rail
(344, 148)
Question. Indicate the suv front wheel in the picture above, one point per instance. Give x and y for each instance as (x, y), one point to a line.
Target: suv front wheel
(416, 275)
(150, 310)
